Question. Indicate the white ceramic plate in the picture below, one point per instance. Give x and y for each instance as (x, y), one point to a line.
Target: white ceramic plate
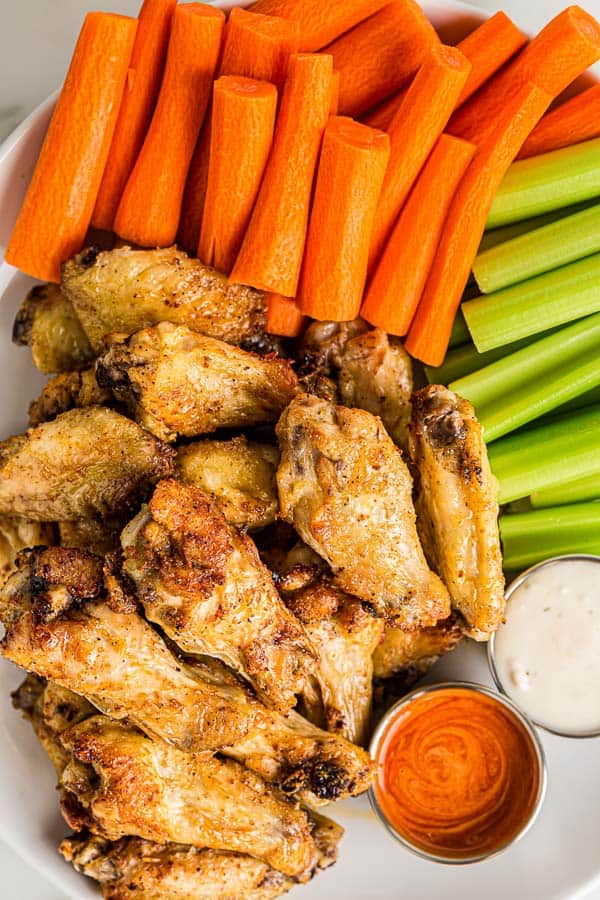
(558, 859)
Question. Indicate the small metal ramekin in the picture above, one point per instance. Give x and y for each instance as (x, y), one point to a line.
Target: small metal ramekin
(381, 729)
(491, 647)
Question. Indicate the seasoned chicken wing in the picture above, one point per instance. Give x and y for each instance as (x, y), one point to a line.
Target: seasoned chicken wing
(70, 390)
(48, 325)
(344, 486)
(85, 463)
(126, 290)
(402, 653)
(202, 581)
(179, 383)
(457, 506)
(99, 536)
(238, 474)
(344, 633)
(16, 535)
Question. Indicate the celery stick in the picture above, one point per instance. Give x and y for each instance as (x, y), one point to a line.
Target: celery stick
(542, 250)
(528, 538)
(532, 381)
(547, 182)
(538, 458)
(590, 398)
(587, 488)
(507, 232)
(460, 332)
(538, 304)
(465, 359)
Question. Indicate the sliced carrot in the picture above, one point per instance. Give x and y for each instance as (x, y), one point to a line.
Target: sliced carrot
(141, 90)
(243, 119)
(397, 284)
(429, 332)
(321, 21)
(570, 123)
(254, 46)
(283, 316)
(380, 55)
(560, 52)
(335, 93)
(150, 208)
(271, 253)
(58, 206)
(351, 171)
(413, 132)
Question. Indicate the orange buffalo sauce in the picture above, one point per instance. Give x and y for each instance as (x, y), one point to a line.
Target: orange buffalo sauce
(458, 775)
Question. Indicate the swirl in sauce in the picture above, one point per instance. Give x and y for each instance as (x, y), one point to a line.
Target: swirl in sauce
(458, 775)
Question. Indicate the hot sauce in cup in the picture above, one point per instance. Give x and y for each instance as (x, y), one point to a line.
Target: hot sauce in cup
(460, 773)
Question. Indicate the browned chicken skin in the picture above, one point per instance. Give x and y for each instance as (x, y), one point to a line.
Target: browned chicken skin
(18, 534)
(176, 383)
(48, 325)
(202, 581)
(344, 486)
(70, 390)
(457, 506)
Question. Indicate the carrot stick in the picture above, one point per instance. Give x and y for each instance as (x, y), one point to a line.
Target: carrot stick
(137, 106)
(380, 55)
(149, 210)
(320, 22)
(271, 253)
(351, 171)
(572, 122)
(283, 316)
(396, 287)
(243, 118)
(335, 93)
(560, 52)
(414, 130)
(254, 46)
(429, 332)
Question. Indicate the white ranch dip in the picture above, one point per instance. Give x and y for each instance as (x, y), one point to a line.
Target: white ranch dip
(547, 654)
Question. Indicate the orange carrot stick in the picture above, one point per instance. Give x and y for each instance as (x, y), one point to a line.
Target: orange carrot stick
(254, 46)
(351, 171)
(414, 130)
(335, 93)
(429, 332)
(137, 106)
(243, 118)
(570, 123)
(380, 55)
(58, 206)
(321, 21)
(283, 316)
(271, 253)
(149, 210)
(396, 287)
(560, 52)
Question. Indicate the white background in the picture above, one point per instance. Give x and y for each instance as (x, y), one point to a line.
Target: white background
(36, 37)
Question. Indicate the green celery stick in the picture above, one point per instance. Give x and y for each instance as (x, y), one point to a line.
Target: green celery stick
(587, 488)
(590, 398)
(529, 538)
(536, 305)
(538, 458)
(539, 251)
(460, 332)
(537, 378)
(465, 359)
(507, 232)
(550, 181)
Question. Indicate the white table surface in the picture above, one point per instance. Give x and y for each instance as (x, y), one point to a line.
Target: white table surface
(36, 37)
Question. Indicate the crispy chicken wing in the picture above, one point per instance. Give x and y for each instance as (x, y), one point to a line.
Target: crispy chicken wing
(86, 463)
(99, 536)
(344, 633)
(238, 474)
(48, 324)
(16, 535)
(126, 290)
(179, 383)
(401, 652)
(70, 390)
(202, 581)
(457, 506)
(344, 486)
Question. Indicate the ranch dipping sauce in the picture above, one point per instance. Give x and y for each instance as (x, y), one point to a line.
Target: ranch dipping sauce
(546, 656)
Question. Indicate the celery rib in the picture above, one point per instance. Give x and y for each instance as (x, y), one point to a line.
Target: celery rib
(577, 491)
(530, 537)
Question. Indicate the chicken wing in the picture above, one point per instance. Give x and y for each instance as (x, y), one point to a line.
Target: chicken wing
(126, 290)
(238, 474)
(457, 506)
(48, 325)
(99, 536)
(86, 463)
(344, 486)
(344, 633)
(202, 581)
(16, 535)
(179, 383)
(70, 390)
(404, 652)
